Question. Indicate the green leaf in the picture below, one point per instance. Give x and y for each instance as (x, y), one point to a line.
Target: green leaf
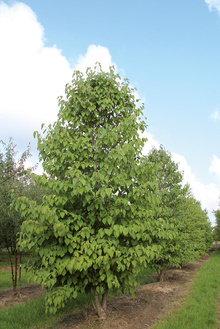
(106, 210)
(102, 277)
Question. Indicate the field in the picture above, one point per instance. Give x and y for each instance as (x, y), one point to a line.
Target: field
(156, 305)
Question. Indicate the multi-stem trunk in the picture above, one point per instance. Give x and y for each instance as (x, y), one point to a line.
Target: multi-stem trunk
(100, 303)
(14, 272)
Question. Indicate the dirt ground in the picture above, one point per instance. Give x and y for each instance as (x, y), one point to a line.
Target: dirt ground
(29, 292)
(152, 302)
(5, 268)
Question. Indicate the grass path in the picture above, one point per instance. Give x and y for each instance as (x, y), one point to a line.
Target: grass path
(198, 311)
(200, 308)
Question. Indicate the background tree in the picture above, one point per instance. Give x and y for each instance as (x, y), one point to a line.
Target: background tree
(187, 230)
(197, 228)
(92, 233)
(13, 176)
(171, 194)
(216, 230)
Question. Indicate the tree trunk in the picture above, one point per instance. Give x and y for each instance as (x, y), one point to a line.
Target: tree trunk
(12, 271)
(19, 280)
(104, 300)
(16, 269)
(161, 275)
(100, 305)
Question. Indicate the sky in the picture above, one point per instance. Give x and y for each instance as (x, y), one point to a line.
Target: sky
(169, 50)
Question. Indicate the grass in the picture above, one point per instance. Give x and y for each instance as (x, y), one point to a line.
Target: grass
(5, 276)
(4, 258)
(199, 310)
(6, 279)
(32, 314)
(146, 276)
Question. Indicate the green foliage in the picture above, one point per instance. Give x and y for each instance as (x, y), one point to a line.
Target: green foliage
(15, 181)
(13, 175)
(96, 230)
(197, 228)
(187, 231)
(216, 230)
(170, 194)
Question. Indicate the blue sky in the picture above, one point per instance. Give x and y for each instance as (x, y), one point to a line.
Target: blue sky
(169, 50)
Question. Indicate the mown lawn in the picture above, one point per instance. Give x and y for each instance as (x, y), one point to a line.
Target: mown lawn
(32, 314)
(200, 309)
(4, 258)
(6, 275)
(6, 279)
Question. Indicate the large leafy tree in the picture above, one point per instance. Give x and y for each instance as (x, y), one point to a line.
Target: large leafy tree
(94, 231)
(170, 193)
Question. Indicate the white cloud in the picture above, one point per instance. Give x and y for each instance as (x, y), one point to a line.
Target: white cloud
(151, 142)
(100, 54)
(215, 115)
(215, 166)
(213, 5)
(207, 194)
(32, 75)
(95, 54)
(37, 169)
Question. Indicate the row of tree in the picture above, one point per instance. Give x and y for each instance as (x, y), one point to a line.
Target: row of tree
(107, 210)
(14, 176)
(216, 229)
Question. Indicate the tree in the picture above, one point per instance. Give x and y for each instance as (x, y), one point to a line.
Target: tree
(187, 231)
(93, 233)
(13, 176)
(170, 192)
(197, 228)
(216, 230)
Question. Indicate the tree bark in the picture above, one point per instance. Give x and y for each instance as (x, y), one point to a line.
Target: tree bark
(101, 306)
(16, 269)
(19, 280)
(161, 275)
(12, 271)
(104, 300)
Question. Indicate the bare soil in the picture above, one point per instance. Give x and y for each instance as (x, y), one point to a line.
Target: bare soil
(29, 292)
(5, 268)
(151, 303)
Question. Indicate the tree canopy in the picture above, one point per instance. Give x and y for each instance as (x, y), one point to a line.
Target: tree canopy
(216, 230)
(171, 193)
(187, 231)
(108, 210)
(13, 175)
(95, 230)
